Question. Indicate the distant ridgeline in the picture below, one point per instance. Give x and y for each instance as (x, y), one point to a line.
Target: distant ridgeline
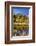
(19, 14)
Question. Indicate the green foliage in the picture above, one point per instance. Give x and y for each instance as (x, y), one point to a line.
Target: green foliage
(21, 19)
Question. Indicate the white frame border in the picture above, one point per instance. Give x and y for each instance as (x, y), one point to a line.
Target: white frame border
(29, 37)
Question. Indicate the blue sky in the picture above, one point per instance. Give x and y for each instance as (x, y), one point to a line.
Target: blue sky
(22, 10)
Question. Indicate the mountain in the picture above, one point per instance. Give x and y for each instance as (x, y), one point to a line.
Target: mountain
(19, 14)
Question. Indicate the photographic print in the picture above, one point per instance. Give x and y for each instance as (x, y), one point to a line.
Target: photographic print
(19, 22)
